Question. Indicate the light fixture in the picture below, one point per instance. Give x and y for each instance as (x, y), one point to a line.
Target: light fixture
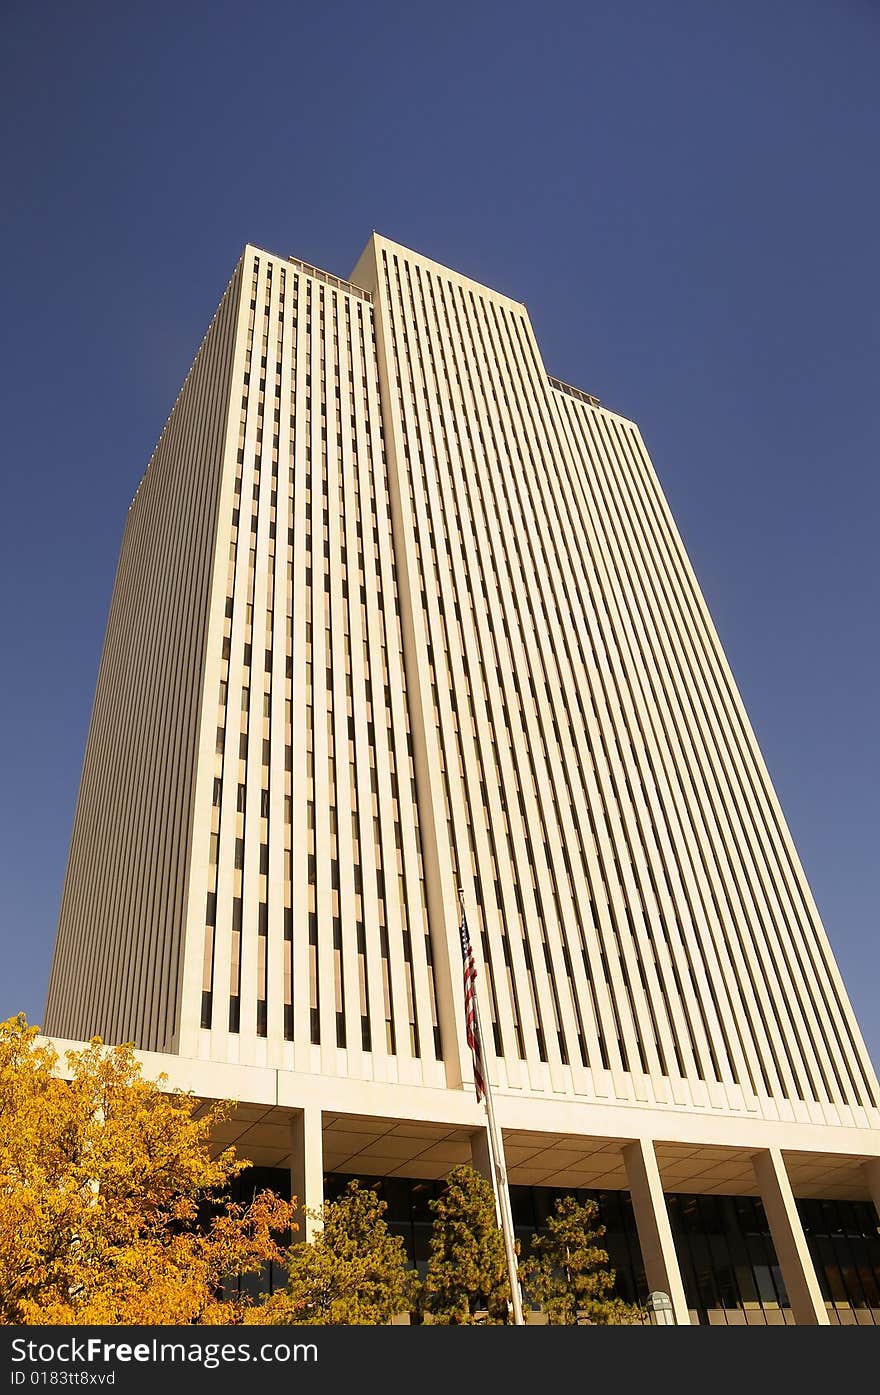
(660, 1311)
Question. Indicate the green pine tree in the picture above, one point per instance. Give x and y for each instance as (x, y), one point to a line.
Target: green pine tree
(566, 1272)
(467, 1268)
(354, 1273)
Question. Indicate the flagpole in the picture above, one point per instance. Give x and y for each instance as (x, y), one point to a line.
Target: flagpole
(499, 1174)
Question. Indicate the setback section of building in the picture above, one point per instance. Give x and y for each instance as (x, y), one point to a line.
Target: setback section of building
(723, 1244)
(740, 1229)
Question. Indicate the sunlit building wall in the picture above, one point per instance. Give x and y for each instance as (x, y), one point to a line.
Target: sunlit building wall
(398, 613)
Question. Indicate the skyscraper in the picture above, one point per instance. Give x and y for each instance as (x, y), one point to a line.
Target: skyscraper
(398, 613)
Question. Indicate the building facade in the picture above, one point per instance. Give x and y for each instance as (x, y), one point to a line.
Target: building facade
(399, 613)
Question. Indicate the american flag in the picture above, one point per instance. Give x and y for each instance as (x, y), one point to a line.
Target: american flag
(470, 1008)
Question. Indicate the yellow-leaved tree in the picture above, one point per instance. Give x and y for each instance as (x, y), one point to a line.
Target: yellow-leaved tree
(111, 1205)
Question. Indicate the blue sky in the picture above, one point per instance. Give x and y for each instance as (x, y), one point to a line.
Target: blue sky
(684, 195)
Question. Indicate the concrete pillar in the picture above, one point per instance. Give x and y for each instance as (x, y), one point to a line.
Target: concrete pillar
(480, 1158)
(789, 1241)
(481, 1161)
(307, 1169)
(872, 1172)
(652, 1222)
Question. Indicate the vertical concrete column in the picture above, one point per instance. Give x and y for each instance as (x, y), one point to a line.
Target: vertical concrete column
(481, 1159)
(872, 1173)
(307, 1169)
(652, 1223)
(789, 1241)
